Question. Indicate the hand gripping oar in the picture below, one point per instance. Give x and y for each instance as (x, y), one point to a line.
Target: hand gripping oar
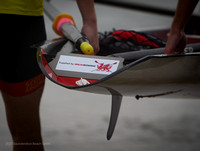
(64, 25)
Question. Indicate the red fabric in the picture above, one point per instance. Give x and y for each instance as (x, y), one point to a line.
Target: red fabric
(126, 35)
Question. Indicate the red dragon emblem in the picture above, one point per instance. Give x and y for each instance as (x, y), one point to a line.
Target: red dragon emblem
(104, 67)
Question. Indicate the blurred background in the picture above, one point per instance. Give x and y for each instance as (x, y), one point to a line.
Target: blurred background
(75, 121)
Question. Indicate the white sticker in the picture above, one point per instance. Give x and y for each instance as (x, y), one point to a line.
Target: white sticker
(87, 65)
(82, 82)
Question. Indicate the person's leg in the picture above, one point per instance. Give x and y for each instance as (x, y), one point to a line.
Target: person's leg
(21, 81)
(24, 121)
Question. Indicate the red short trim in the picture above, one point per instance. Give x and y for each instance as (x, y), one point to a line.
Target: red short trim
(22, 88)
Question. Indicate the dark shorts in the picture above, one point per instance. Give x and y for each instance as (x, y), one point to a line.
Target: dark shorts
(18, 35)
(18, 56)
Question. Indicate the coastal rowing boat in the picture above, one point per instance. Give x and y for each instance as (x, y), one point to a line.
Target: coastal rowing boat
(139, 74)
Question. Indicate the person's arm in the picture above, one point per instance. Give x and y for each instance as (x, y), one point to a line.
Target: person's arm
(177, 40)
(89, 28)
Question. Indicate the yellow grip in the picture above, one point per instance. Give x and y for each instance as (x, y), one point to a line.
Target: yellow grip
(86, 48)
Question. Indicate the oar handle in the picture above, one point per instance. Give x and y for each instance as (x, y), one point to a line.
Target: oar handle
(64, 25)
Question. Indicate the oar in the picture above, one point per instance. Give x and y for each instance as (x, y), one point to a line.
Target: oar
(64, 25)
(134, 55)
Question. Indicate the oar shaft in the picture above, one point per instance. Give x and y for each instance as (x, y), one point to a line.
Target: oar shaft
(134, 55)
(64, 25)
(50, 10)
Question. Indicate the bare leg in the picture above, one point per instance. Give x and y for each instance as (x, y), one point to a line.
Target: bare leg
(24, 121)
